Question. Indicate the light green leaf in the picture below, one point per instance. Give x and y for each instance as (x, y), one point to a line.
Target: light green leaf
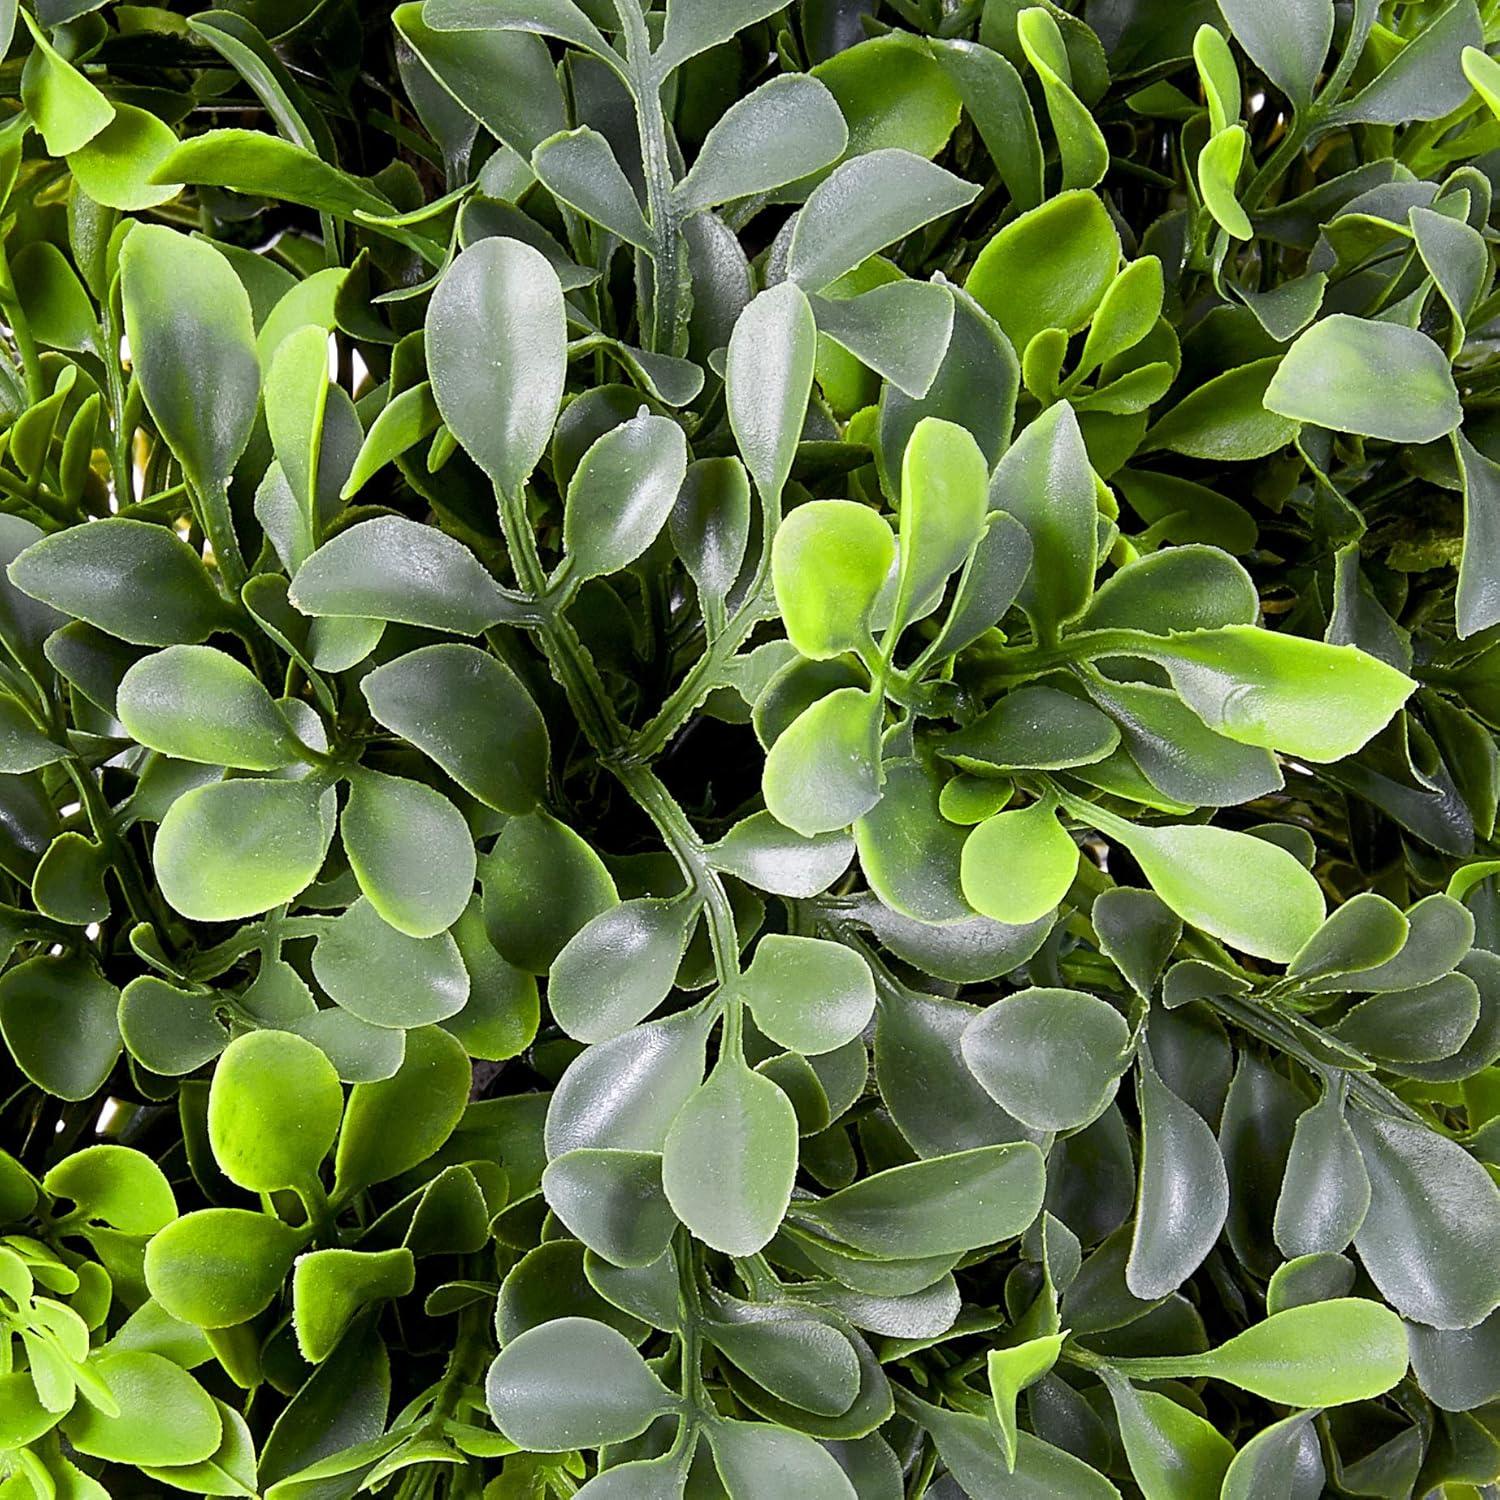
(1049, 268)
(472, 715)
(621, 494)
(823, 772)
(1018, 865)
(195, 703)
(1050, 1057)
(330, 1287)
(783, 130)
(237, 848)
(808, 994)
(1374, 378)
(273, 1110)
(730, 1158)
(829, 565)
(410, 850)
(67, 109)
(944, 484)
(497, 355)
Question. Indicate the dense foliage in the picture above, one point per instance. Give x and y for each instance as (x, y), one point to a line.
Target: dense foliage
(749, 749)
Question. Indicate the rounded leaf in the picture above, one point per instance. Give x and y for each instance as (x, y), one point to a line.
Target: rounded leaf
(195, 703)
(808, 994)
(1050, 1057)
(572, 1383)
(273, 1110)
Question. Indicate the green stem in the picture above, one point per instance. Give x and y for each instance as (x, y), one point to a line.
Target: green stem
(218, 525)
(574, 669)
(666, 255)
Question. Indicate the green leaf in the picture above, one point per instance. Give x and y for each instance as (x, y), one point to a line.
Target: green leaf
(165, 1416)
(1046, 483)
(1245, 891)
(1182, 1197)
(1049, 268)
(250, 161)
(1288, 43)
(862, 206)
(139, 582)
(730, 1158)
(1174, 1454)
(909, 849)
(65, 107)
(944, 485)
(192, 347)
(823, 772)
(1477, 605)
(57, 1016)
(394, 569)
(386, 977)
(1032, 728)
(1303, 697)
(410, 850)
(621, 494)
(394, 1124)
(768, 377)
(947, 1205)
(1424, 80)
(829, 566)
(1377, 379)
(614, 1202)
(220, 1266)
(237, 848)
(1321, 1354)
(808, 994)
(756, 1460)
(761, 852)
(710, 526)
(1432, 1209)
(1219, 165)
(57, 308)
(1275, 1459)
(471, 714)
(1080, 142)
(892, 93)
(117, 166)
(693, 26)
(559, 18)
(969, 1447)
(1325, 1193)
(579, 167)
(497, 353)
(504, 79)
(1010, 1372)
(624, 1094)
(785, 129)
(900, 329)
(195, 703)
(1018, 865)
(407, 418)
(331, 1287)
(170, 1030)
(618, 967)
(264, 1081)
(542, 883)
(573, 1383)
(1050, 1057)
(1226, 418)
(114, 1185)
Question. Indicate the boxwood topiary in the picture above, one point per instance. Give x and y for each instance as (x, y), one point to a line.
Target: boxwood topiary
(749, 749)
